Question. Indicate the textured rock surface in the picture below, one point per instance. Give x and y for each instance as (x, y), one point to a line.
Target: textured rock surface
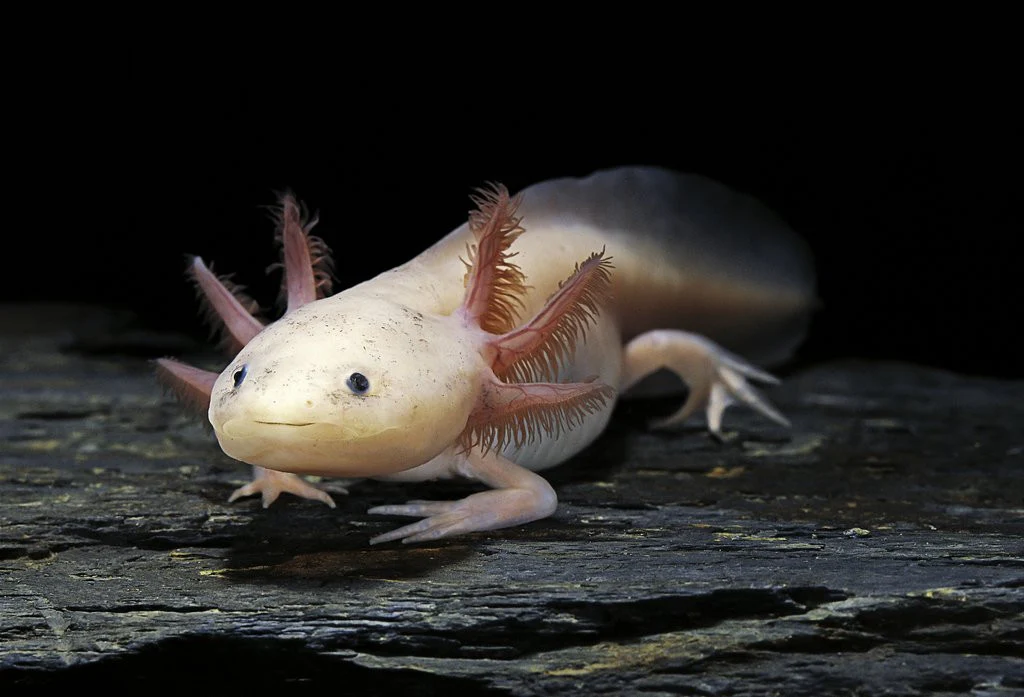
(876, 547)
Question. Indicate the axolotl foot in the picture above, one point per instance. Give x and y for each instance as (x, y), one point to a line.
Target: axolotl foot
(716, 378)
(486, 510)
(270, 484)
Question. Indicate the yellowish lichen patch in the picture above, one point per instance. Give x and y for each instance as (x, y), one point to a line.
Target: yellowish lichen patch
(610, 656)
(941, 594)
(228, 572)
(726, 472)
(730, 536)
(802, 445)
(44, 446)
(152, 451)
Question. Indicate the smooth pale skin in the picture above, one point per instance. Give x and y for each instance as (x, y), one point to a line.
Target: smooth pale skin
(699, 276)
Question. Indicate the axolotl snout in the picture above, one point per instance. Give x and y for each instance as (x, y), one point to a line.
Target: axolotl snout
(501, 350)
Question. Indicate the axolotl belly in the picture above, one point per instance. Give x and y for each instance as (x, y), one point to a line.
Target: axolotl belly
(501, 350)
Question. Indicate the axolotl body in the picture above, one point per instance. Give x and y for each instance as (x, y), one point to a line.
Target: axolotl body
(501, 350)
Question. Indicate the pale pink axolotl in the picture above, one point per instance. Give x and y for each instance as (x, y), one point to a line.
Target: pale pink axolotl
(500, 351)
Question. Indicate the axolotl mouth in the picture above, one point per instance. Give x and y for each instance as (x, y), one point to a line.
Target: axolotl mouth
(286, 423)
(260, 430)
(312, 447)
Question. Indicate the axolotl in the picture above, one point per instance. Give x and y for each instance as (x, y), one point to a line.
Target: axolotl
(502, 349)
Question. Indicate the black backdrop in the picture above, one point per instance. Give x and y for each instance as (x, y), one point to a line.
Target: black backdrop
(904, 182)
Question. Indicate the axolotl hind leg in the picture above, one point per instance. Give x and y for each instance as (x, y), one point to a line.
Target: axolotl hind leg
(716, 378)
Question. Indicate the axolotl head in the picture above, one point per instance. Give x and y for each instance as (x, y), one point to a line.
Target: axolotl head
(347, 386)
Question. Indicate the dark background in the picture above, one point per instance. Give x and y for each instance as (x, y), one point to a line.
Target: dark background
(903, 178)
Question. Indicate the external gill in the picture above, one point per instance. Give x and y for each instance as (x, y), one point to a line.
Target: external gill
(307, 276)
(534, 350)
(308, 267)
(513, 406)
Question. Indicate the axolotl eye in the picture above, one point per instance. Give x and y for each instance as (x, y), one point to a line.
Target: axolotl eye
(358, 383)
(240, 374)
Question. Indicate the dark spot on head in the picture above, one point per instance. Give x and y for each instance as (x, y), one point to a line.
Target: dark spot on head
(358, 383)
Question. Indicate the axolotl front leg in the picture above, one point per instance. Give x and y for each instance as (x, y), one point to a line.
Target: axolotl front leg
(517, 496)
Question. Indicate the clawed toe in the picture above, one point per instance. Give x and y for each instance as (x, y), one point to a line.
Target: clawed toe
(727, 387)
(444, 518)
(716, 378)
(270, 484)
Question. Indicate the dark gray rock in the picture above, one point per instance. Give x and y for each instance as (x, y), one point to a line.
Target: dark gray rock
(875, 548)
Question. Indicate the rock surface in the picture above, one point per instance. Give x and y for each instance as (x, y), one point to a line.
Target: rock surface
(876, 547)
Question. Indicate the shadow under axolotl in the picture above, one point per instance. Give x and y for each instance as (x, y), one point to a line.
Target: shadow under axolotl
(294, 540)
